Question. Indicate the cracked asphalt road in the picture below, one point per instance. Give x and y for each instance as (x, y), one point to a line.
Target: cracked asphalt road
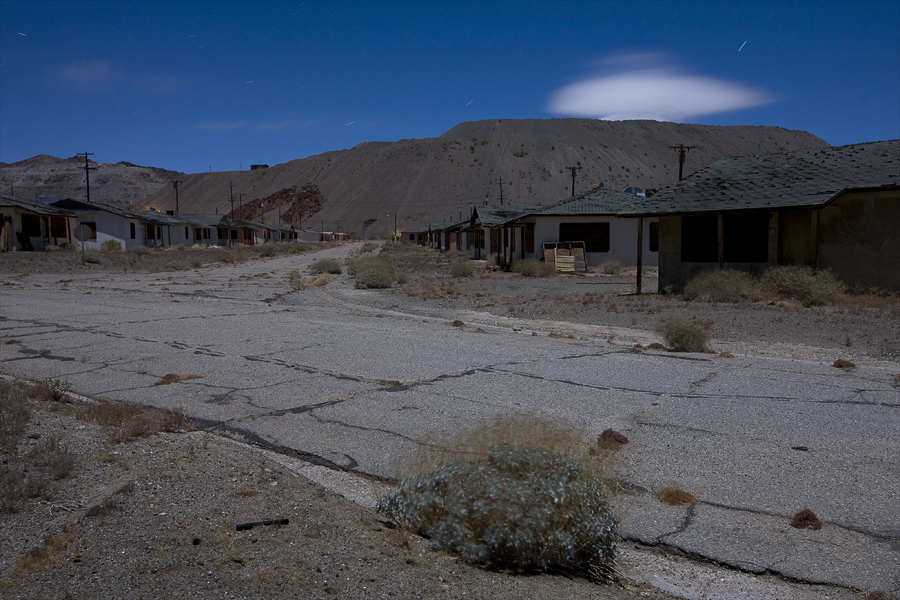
(320, 375)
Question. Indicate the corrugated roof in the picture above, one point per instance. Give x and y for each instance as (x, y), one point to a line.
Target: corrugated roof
(43, 209)
(602, 201)
(805, 178)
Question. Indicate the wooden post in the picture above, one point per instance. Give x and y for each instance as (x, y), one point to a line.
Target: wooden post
(640, 253)
(721, 240)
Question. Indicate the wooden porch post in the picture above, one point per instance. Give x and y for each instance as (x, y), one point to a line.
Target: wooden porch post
(721, 240)
(640, 253)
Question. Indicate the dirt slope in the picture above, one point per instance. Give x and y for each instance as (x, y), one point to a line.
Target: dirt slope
(441, 178)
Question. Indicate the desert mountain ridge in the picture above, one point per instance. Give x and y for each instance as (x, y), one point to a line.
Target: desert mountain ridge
(121, 184)
(411, 182)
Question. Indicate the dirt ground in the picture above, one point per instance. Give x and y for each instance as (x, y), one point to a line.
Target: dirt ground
(157, 516)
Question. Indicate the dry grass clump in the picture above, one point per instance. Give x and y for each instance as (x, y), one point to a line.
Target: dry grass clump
(295, 280)
(138, 250)
(27, 472)
(512, 499)
(372, 272)
(111, 246)
(376, 262)
(611, 439)
(844, 364)
(176, 265)
(674, 496)
(326, 265)
(129, 420)
(611, 267)
(684, 336)
(532, 267)
(321, 280)
(723, 286)
(14, 415)
(810, 287)
(462, 269)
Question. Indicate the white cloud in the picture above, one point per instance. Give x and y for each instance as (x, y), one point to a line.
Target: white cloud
(644, 90)
(87, 76)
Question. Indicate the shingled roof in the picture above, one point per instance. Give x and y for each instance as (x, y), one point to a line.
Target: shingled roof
(493, 216)
(602, 201)
(801, 179)
(80, 205)
(36, 207)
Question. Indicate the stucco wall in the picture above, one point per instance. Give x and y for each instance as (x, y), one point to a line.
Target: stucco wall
(859, 239)
(622, 239)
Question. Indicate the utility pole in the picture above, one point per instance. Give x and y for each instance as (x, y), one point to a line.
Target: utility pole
(573, 169)
(231, 195)
(175, 183)
(681, 150)
(501, 191)
(87, 169)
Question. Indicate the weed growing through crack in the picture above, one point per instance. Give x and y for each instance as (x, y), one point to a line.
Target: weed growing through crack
(674, 496)
(684, 336)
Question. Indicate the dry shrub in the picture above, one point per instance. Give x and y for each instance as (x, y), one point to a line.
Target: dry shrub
(462, 269)
(684, 336)
(321, 280)
(513, 505)
(373, 279)
(723, 286)
(456, 323)
(674, 496)
(139, 250)
(326, 265)
(295, 280)
(810, 287)
(806, 519)
(34, 473)
(532, 267)
(176, 265)
(379, 263)
(111, 246)
(611, 267)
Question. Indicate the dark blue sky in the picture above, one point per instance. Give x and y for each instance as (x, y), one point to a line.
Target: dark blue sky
(194, 86)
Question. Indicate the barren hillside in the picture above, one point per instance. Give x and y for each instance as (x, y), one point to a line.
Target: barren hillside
(441, 178)
(121, 184)
(414, 181)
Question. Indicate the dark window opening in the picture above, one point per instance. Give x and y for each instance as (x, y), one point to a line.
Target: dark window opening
(133, 230)
(700, 238)
(31, 225)
(151, 232)
(654, 237)
(745, 238)
(222, 233)
(594, 235)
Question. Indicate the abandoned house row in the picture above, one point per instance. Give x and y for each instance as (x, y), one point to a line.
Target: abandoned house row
(836, 208)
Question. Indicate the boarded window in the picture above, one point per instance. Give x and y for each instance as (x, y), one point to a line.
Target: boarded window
(594, 235)
(495, 242)
(58, 227)
(31, 225)
(528, 233)
(654, 237)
